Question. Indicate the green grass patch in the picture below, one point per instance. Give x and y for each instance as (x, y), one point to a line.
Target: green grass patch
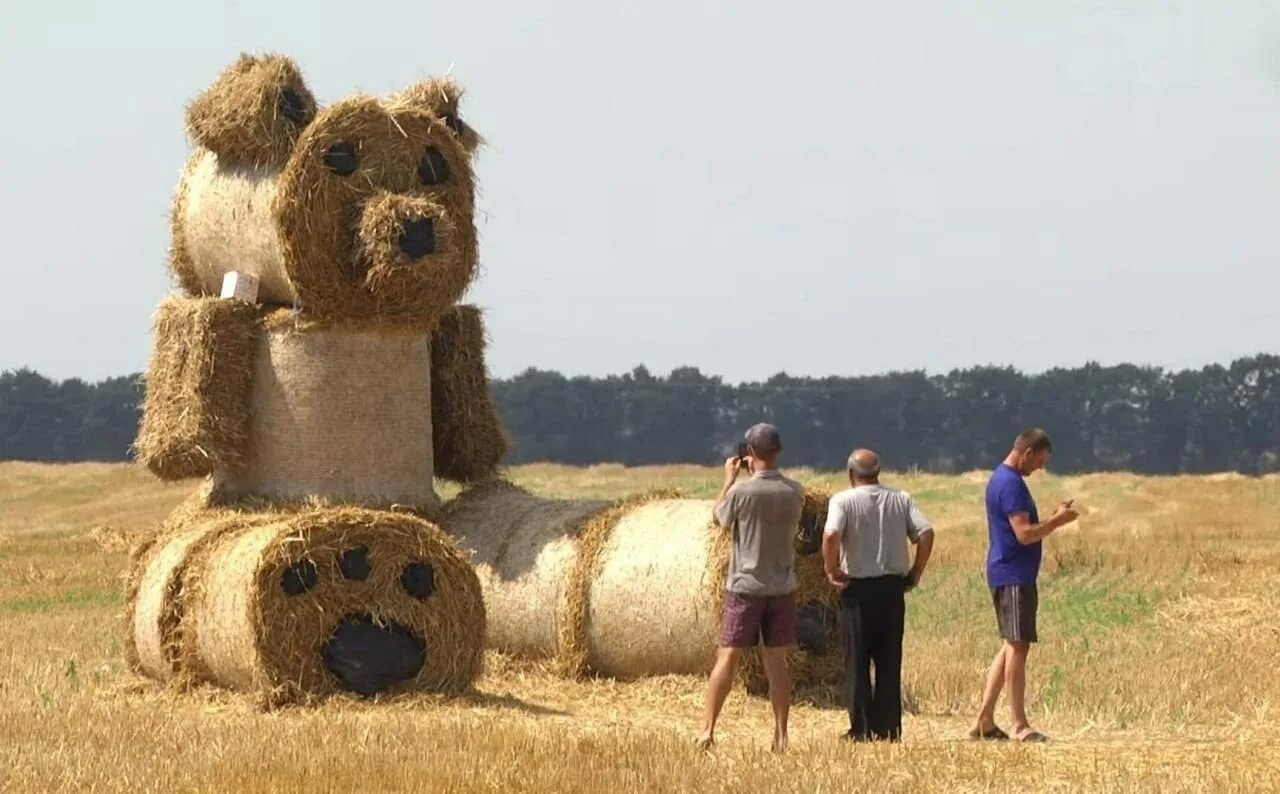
(70, 600)
(1073, 604)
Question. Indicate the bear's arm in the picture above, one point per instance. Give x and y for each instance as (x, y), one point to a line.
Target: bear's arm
(468, 439)
(195, 416)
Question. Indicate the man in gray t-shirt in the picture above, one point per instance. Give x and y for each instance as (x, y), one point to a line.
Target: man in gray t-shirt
(763, 513)
(864, 550)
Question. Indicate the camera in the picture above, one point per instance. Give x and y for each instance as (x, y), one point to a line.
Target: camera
(743, 452)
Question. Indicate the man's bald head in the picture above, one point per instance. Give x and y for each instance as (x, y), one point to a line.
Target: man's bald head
(864, 464)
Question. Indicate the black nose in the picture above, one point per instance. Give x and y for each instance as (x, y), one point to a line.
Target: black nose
(368, 658)
(418, 238)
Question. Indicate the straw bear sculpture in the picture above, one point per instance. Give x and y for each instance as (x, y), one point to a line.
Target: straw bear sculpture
(319, 411)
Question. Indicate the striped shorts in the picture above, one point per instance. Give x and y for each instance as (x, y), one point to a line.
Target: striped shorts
(1016, 606)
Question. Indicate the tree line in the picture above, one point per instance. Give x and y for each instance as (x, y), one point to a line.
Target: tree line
(1141, 419)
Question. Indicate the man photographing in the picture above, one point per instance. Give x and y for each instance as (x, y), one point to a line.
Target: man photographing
(760, 603)
(865, 553)
(1013, 565)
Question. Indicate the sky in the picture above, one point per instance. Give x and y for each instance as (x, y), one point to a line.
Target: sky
(747, 187)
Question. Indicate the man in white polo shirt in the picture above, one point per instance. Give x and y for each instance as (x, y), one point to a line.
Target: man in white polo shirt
(864, 550)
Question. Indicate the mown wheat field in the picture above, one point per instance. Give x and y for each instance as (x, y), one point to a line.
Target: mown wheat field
(1156, 670)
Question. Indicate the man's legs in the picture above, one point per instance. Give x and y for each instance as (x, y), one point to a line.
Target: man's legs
(885, 649)
(857, 663)
(718, 687)
(778, 632)
(1015, 676)
(775, 670)
(990, 695)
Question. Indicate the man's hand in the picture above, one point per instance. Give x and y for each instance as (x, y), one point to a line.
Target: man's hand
(913, 580)
(731, 468)
(1065, 514)
(837, 578)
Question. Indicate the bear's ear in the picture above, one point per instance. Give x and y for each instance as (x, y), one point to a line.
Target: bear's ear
(440, 96)
(253, 113)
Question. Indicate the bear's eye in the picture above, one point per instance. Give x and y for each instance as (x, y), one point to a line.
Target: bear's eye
(433, 169)
(418, 579)
(292, 107)
(342, 159)
(454, 123)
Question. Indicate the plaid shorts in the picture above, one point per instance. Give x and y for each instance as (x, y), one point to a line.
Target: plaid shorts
(749, 620)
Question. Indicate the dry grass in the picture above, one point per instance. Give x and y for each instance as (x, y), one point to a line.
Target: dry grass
(1156, 670)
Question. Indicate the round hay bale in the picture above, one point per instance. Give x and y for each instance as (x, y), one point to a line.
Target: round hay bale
(155, 599)
(522, 547)
(335, 599)
(369, 219)
(346, 414)
(636, 588)
(654, 605)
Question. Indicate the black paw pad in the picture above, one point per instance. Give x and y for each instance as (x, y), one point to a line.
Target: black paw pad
(299, 578)
(418, 579)
(368, 658)
(354, 563)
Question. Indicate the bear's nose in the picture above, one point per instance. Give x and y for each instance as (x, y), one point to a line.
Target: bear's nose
(418, 237)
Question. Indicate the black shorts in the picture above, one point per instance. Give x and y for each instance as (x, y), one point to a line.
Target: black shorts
(1016, 606)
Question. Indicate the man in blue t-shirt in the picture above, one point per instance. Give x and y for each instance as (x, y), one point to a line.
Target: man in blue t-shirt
(1013, 563)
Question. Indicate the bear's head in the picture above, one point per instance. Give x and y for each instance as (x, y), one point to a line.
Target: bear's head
(361, 211)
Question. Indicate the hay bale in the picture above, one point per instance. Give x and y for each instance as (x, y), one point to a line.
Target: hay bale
(156, 599)
(637, 588)
(652, 606)
(522, 547)
(468, 436)
(317, 228)
(294, 606)
(253, 112)
(441, 96)
(223, 221)
(341, 414)
(196, 412)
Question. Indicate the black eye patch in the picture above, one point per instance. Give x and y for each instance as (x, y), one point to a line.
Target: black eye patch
(342, 159)
(433, 169)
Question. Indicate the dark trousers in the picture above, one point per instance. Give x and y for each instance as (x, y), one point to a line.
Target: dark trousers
(872, 614)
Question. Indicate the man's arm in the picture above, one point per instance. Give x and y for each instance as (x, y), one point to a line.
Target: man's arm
(1028, 533)
(831, 559)
(723, 509)
(924, 548)
(920, 532)
(832, 534)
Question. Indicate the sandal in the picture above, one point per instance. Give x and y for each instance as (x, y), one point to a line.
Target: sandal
(992, 734)
(1035, 737)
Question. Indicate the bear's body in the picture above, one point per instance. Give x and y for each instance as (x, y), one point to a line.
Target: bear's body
(355, 381)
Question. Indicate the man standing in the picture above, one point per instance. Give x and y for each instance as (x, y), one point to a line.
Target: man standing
(864, 551)
(763, 513)
(1013, 564)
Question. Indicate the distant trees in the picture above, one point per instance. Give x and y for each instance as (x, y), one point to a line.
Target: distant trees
(1142, 419)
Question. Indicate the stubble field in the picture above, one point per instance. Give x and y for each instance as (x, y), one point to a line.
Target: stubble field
(1156, 670)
